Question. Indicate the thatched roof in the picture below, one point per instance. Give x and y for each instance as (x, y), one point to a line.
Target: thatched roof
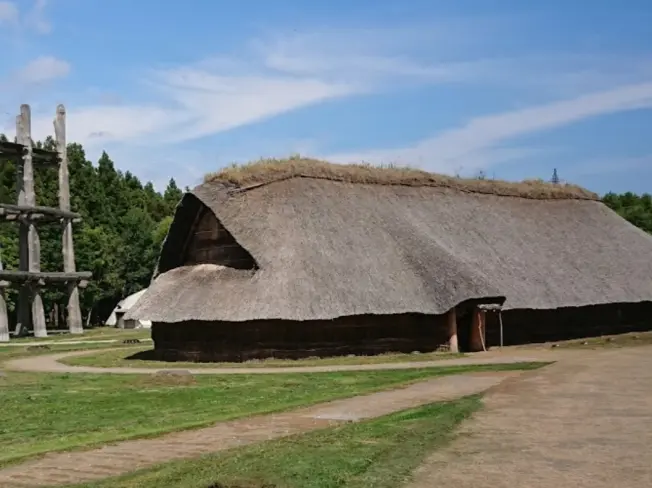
(269, 170)
(327, 247)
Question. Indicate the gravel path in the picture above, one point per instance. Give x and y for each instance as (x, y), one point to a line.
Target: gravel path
(583, 422)
(49, 363)
(123, 457)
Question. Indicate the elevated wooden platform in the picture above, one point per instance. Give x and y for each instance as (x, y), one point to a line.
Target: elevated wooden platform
(29, 278)
(11, 213)
(15, 152)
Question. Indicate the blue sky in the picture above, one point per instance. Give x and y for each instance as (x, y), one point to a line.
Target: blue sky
(510, 88)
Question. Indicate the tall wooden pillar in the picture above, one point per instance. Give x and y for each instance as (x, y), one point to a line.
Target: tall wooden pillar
(451, 322)
(30, 297)
(73, 308)
(23, 310)
(477, 339)
(4, 318)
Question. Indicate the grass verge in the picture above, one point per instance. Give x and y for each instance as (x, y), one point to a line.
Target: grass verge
(621, 340)
(137, 358)
(57, 412)
(95, 334)
(380, 453)
(27, 350)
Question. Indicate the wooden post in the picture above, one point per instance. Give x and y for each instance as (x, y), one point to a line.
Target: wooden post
(451, 319)
(477, 339)
(4, 318)
(23, 312)
(28, 197)
(73, 308)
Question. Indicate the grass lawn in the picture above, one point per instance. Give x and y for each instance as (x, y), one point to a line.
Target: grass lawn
(380, 453)
(620, 340)
(51, 412)
(97, 334)
(12, 352)
(132, 359)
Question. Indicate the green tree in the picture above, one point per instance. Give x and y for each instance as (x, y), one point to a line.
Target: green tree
(637, 209)
(161, 231)
(172, 195)
(123, 226)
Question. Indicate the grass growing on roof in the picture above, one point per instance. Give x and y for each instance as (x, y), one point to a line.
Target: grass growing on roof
(269, 170)
(57, 412)
(137, 358)
(380, 453)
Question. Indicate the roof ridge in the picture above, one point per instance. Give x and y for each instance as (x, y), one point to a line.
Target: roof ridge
(232, 188)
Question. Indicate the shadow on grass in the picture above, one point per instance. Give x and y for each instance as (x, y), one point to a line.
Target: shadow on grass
(148, 355)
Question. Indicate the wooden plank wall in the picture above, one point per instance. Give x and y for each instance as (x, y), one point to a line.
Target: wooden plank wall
(211, 243)
(360, 335)
(536, 326)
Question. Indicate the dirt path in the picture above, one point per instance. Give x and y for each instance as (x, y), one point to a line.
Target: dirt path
(77, 467)
(583, 422)
(49, 363)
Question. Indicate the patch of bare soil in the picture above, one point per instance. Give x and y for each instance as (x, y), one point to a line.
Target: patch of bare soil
(584, 422)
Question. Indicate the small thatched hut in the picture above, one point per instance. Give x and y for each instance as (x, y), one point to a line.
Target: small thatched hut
(304, 258)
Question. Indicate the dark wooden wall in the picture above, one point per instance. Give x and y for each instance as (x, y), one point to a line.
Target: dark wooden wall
(241, 341)
(536, 326)
(211, 243)
(377, 334)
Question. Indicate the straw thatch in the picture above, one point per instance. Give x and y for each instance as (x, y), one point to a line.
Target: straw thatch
(327, 247)
(268, 170)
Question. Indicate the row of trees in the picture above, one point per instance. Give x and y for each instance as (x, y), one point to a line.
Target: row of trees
(124, 224)
(635, 208)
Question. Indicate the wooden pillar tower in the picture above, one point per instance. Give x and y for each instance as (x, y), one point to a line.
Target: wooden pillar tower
(29, 278)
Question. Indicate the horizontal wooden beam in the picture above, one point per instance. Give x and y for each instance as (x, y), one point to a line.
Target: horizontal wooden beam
(43, 278)
(35, 218)
(10, 212)
(15, 151)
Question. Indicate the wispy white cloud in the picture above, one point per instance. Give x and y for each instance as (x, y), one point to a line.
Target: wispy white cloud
(478, 144)
(383, 58)
(36, 17)
(41, 69)
(194, 104)
(282, 73)
(99, 125)
(215, 102)
(9, 13)
(271, 77)
(216, 95)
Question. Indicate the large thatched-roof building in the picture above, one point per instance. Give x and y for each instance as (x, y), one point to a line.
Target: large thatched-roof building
(303, 258)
